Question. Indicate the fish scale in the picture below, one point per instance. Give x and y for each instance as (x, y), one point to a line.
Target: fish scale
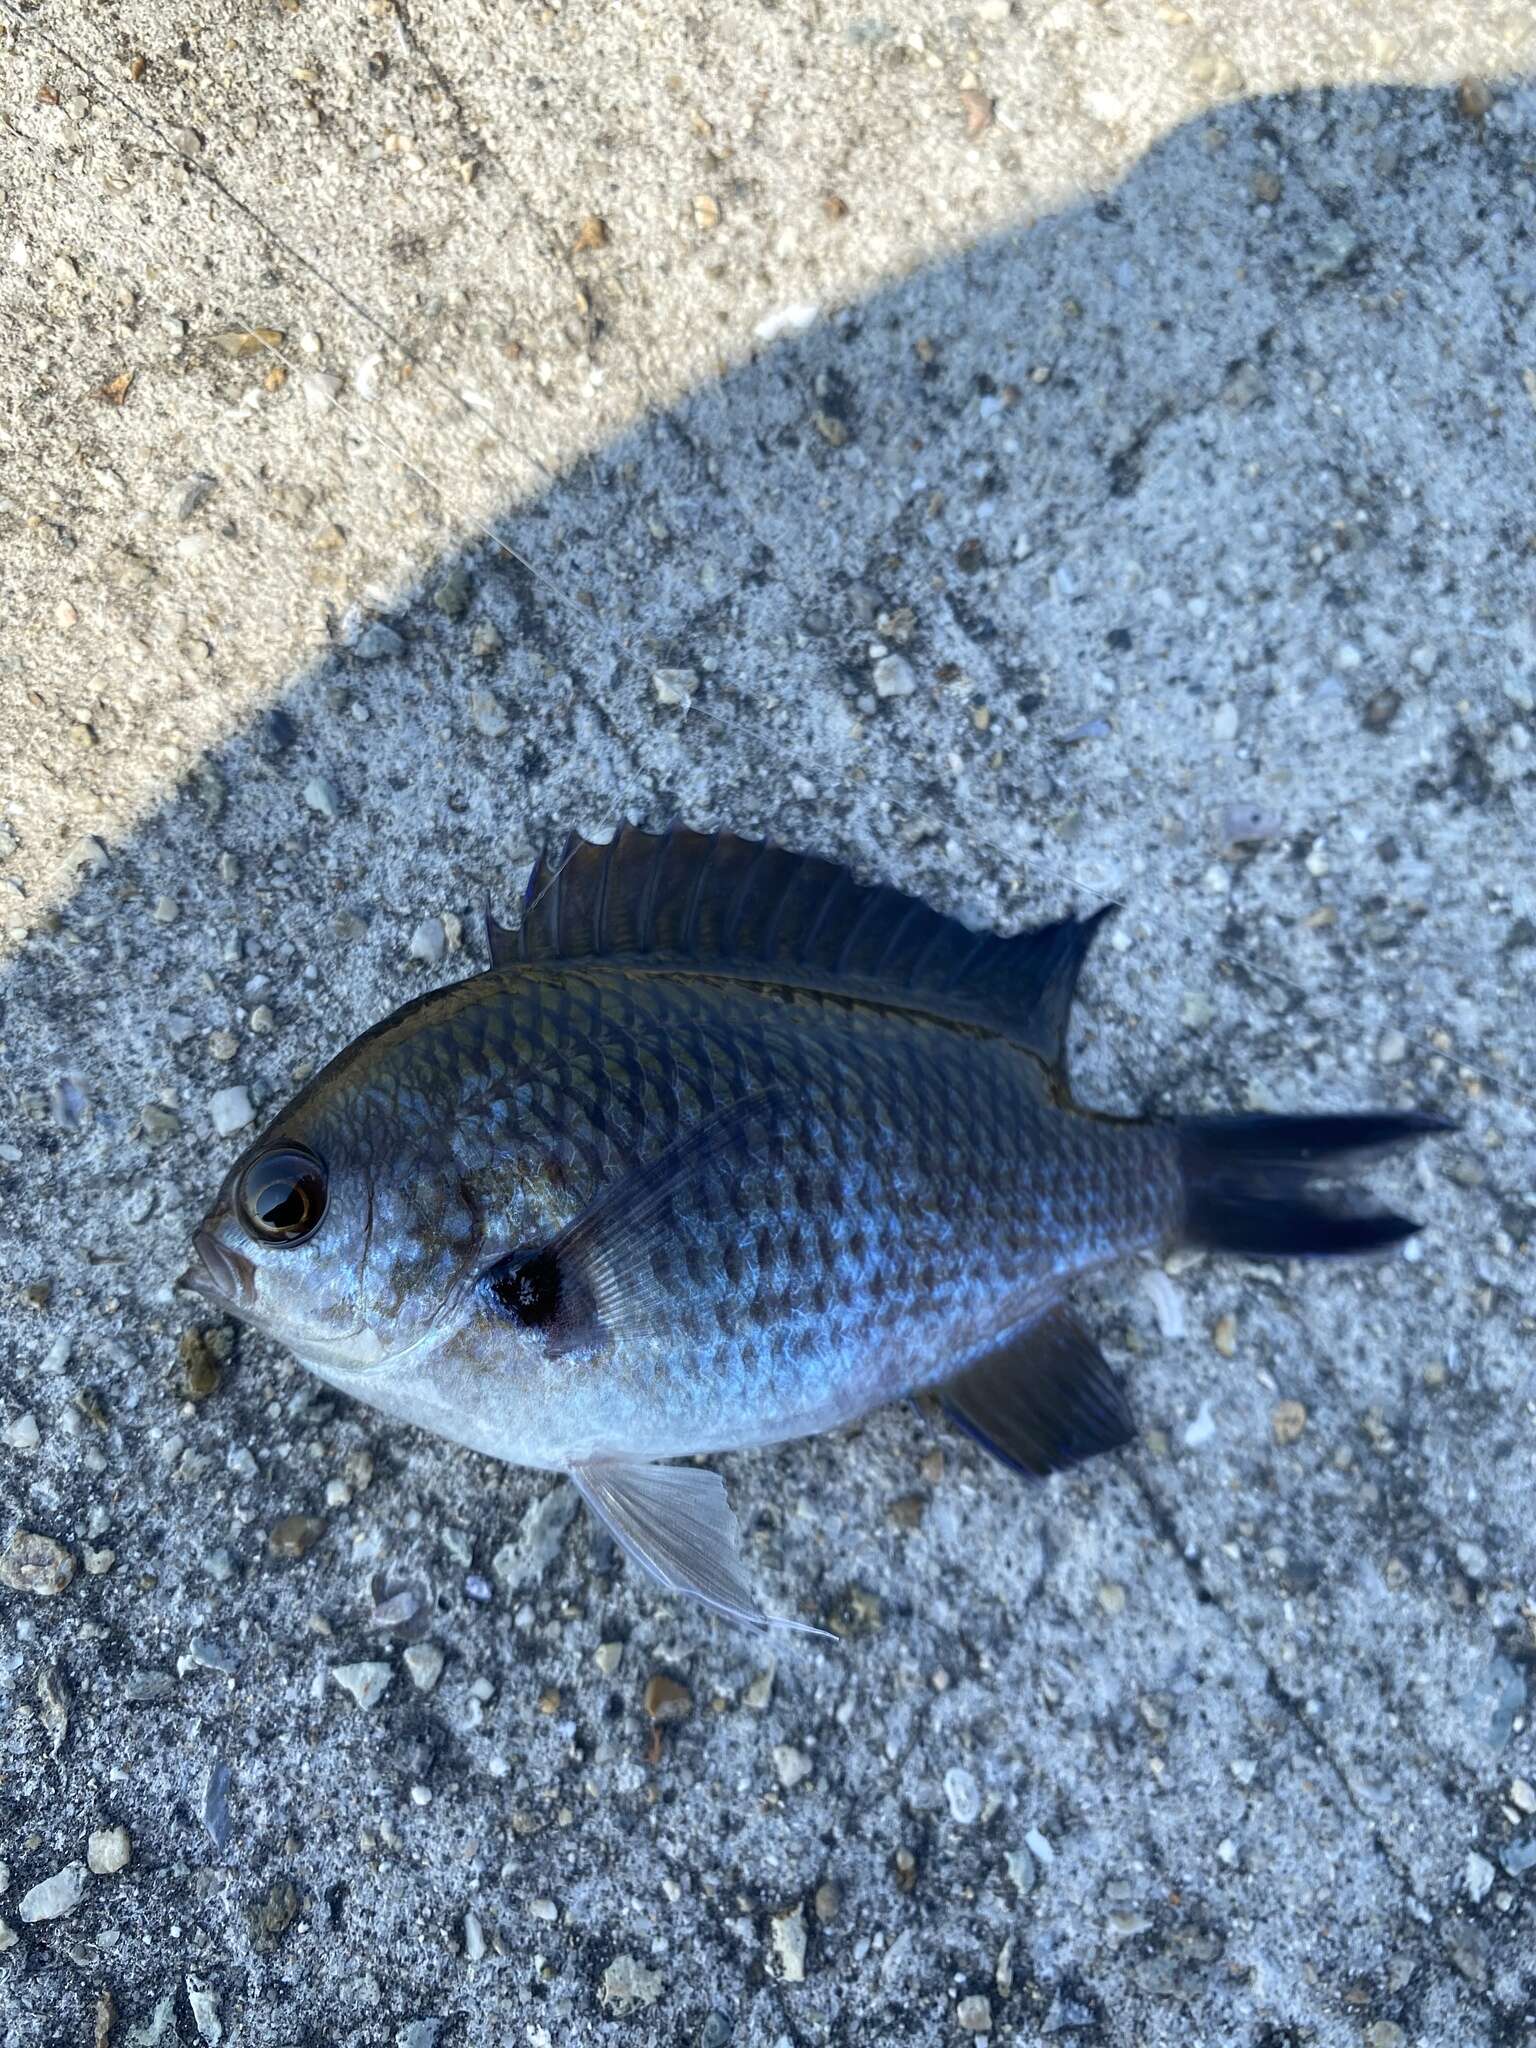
(726, 1148)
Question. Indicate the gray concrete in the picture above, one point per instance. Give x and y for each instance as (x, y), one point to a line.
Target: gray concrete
(1188, 408)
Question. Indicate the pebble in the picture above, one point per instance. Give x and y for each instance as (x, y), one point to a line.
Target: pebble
(321, 388)
(190, 495)
(320, 797)
(378, 642)
(108, 1850)
(975, 2014)
(706, 211)
(1480, 1876)
(485, 640)
(23, 1434)
(1022, 1871)
(1391, 1049)
(828, 1902)
(628, 1985)
(666, 1700)
(1112, 1597)
(1224, 724)
(607, 1657)
(786, 1931)
(591, 233)
(893, 677)
(487, 716)
(1287, 1420)
(429, 942)
(216, 1804)
(1523, 1795)
(295, 1535)
(675, 686)
(1167, 1303)
(474, 1939)
(424, 1662)
(963, 1794)
(367, 1683)
(1202, 1429)
(792, 1766)
(56, 1896)
(205, 2012)
(523, 1562)
(231, 1110)
(451, 597)
(35, 1564)
(1224, 1335)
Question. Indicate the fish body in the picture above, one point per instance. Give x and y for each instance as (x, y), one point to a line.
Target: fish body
(725, 1150)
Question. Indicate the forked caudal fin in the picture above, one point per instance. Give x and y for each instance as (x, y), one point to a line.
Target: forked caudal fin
(1247, 1181)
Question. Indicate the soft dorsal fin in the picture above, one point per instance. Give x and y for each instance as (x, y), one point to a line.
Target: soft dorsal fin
(740, 907)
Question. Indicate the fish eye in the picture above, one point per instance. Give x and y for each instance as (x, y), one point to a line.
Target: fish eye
(281, 1196)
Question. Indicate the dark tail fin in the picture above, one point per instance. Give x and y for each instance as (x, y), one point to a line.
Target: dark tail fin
(1247, 1181)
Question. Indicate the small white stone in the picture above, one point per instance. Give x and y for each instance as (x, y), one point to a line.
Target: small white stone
(486, 714)
(792, 1765)
(893, 677)
(545, 1910)
(474, 1938)
(108, 1850)
(975, 2014)
(231, 1110)
(1391, 1049)
(321, 798)
(963, 1794)
(1039, 1848)
(1167, 1304)
(627, 1983)
(367, 1683)
(1480, 1876)
(1224, 724)
(787, 1932)
(607, 1657)
(377, 642)
(56, 1896)
(321, 388)
(675, 686)
(1202, 1429)
(23, 1434)
(1424, 660)
(429, 942)
(205, 2013)
(791, 319)
(424, 1661)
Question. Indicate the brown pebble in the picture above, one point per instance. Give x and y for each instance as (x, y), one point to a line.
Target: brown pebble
(907, 1510)
(828, 1900)
(295, 1535)
(904, 1869)
(1473, 99)
(834, 208)
(978, 112)
(666, 1700)
(1382, 709)
(591, 233)
(1287, 1420)
(549, 1701)
(35, 1564)
(1266, 187)
(932, 1467)
(106, 2011)
(706, 211)
(199, 1367)
(1224, 1335)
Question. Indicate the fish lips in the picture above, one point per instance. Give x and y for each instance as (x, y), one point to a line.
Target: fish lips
(226, 1278)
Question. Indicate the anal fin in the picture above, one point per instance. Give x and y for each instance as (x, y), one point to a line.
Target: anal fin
(1044, 1399)
(675, 1521)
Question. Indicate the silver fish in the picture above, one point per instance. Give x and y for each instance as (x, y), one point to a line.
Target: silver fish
(726, 1149)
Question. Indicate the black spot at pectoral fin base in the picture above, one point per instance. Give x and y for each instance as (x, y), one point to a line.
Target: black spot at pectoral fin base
(1043, 1400)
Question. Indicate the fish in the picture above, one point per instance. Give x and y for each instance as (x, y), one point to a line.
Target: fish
(725, 1148)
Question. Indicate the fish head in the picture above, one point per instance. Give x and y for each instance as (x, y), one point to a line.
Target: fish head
(330, 1238)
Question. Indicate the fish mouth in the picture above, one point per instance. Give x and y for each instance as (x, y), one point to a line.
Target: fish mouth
(223, 1276)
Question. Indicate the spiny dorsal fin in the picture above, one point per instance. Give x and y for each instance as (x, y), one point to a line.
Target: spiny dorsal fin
(743, 908)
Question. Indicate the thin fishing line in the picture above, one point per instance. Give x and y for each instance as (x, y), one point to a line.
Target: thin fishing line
(1511, 1087)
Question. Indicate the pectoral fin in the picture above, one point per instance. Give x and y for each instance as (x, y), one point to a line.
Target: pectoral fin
(1044, 1399)
(676, 1521)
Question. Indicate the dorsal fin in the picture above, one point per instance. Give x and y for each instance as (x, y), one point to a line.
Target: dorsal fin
(743, 908)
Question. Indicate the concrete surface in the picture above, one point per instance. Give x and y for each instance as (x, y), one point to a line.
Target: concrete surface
(1179, 420)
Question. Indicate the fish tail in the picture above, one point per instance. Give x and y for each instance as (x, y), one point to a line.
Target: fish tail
(1248, 1181)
